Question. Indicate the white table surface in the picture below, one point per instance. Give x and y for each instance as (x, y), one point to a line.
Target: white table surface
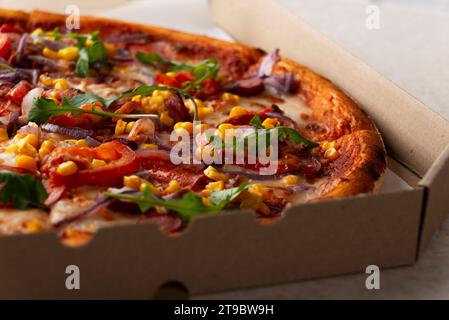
(411, 48)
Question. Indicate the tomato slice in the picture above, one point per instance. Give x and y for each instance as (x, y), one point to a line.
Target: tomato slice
(163, 79)
(5, 28)
(5, 46)
(160, 167)
(16, 94)
(120, 161)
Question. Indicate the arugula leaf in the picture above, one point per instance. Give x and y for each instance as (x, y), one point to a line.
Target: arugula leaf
(97, 52)
(255, 122)
(224, 197)
(144, 90)
(23, 190)
(82, 65)
(284, 133)
(44, 108)
(153, 59)
(88, 55)
(188, 206)
(82, 99)
(201, 71)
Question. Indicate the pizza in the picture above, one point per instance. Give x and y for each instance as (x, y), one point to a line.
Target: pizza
(119, 123)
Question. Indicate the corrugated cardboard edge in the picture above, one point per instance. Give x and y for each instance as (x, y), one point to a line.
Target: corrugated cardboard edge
(437, 198)
(266, 24)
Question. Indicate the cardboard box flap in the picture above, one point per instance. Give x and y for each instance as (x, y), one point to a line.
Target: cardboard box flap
(251, 22)
(436, 181)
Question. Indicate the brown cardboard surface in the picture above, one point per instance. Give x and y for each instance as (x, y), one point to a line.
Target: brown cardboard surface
(219, 252)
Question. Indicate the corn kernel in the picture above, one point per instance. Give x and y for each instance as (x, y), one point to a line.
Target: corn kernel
(238, 111)
(27, 149)
(331, 154)
(290, 180)
(43, 152)
(223, 128)
(132, 182)
(89, 42)
(37, 32)
(171, 74)
(98, 163)
(204, 111)
(14, 148)
(189, 104)
(157, 100)
(264, 209)
(45, 80)
(3, 134)
(61, 84)
(146, 184)
(136, 98)
(270, 123)
(215, 186)
(69, 53)
(110, 49)
(162, 93)
(50, 53)
(31, 139)
(81, 143)
(19, 136)
(67, 168)
(206, 201)
(328, 145)
(251, 202)
(129, 126)
(188, 126)
(33, 225)
(257, 189)
(231, 98)
(120, 127)
(26, 162)
(166, 119)
(149, 146)
(213, 174)
(173, 186)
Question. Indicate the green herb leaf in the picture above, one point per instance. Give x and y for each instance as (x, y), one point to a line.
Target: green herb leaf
(255, 122)
(188, 206)
(44, 108)
(224, 197)
(22, 190)
(152, 59)
(82, 65)
(201, 71)
(96, 52)
(284, 133)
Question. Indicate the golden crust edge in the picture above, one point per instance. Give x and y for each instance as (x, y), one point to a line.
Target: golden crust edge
(341, 189)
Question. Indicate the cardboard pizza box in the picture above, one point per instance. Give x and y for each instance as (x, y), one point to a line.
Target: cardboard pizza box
(232, 250)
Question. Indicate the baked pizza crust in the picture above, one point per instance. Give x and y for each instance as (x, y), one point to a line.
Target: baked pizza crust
(362, 161)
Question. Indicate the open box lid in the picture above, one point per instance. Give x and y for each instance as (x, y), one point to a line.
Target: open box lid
(265, 24)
